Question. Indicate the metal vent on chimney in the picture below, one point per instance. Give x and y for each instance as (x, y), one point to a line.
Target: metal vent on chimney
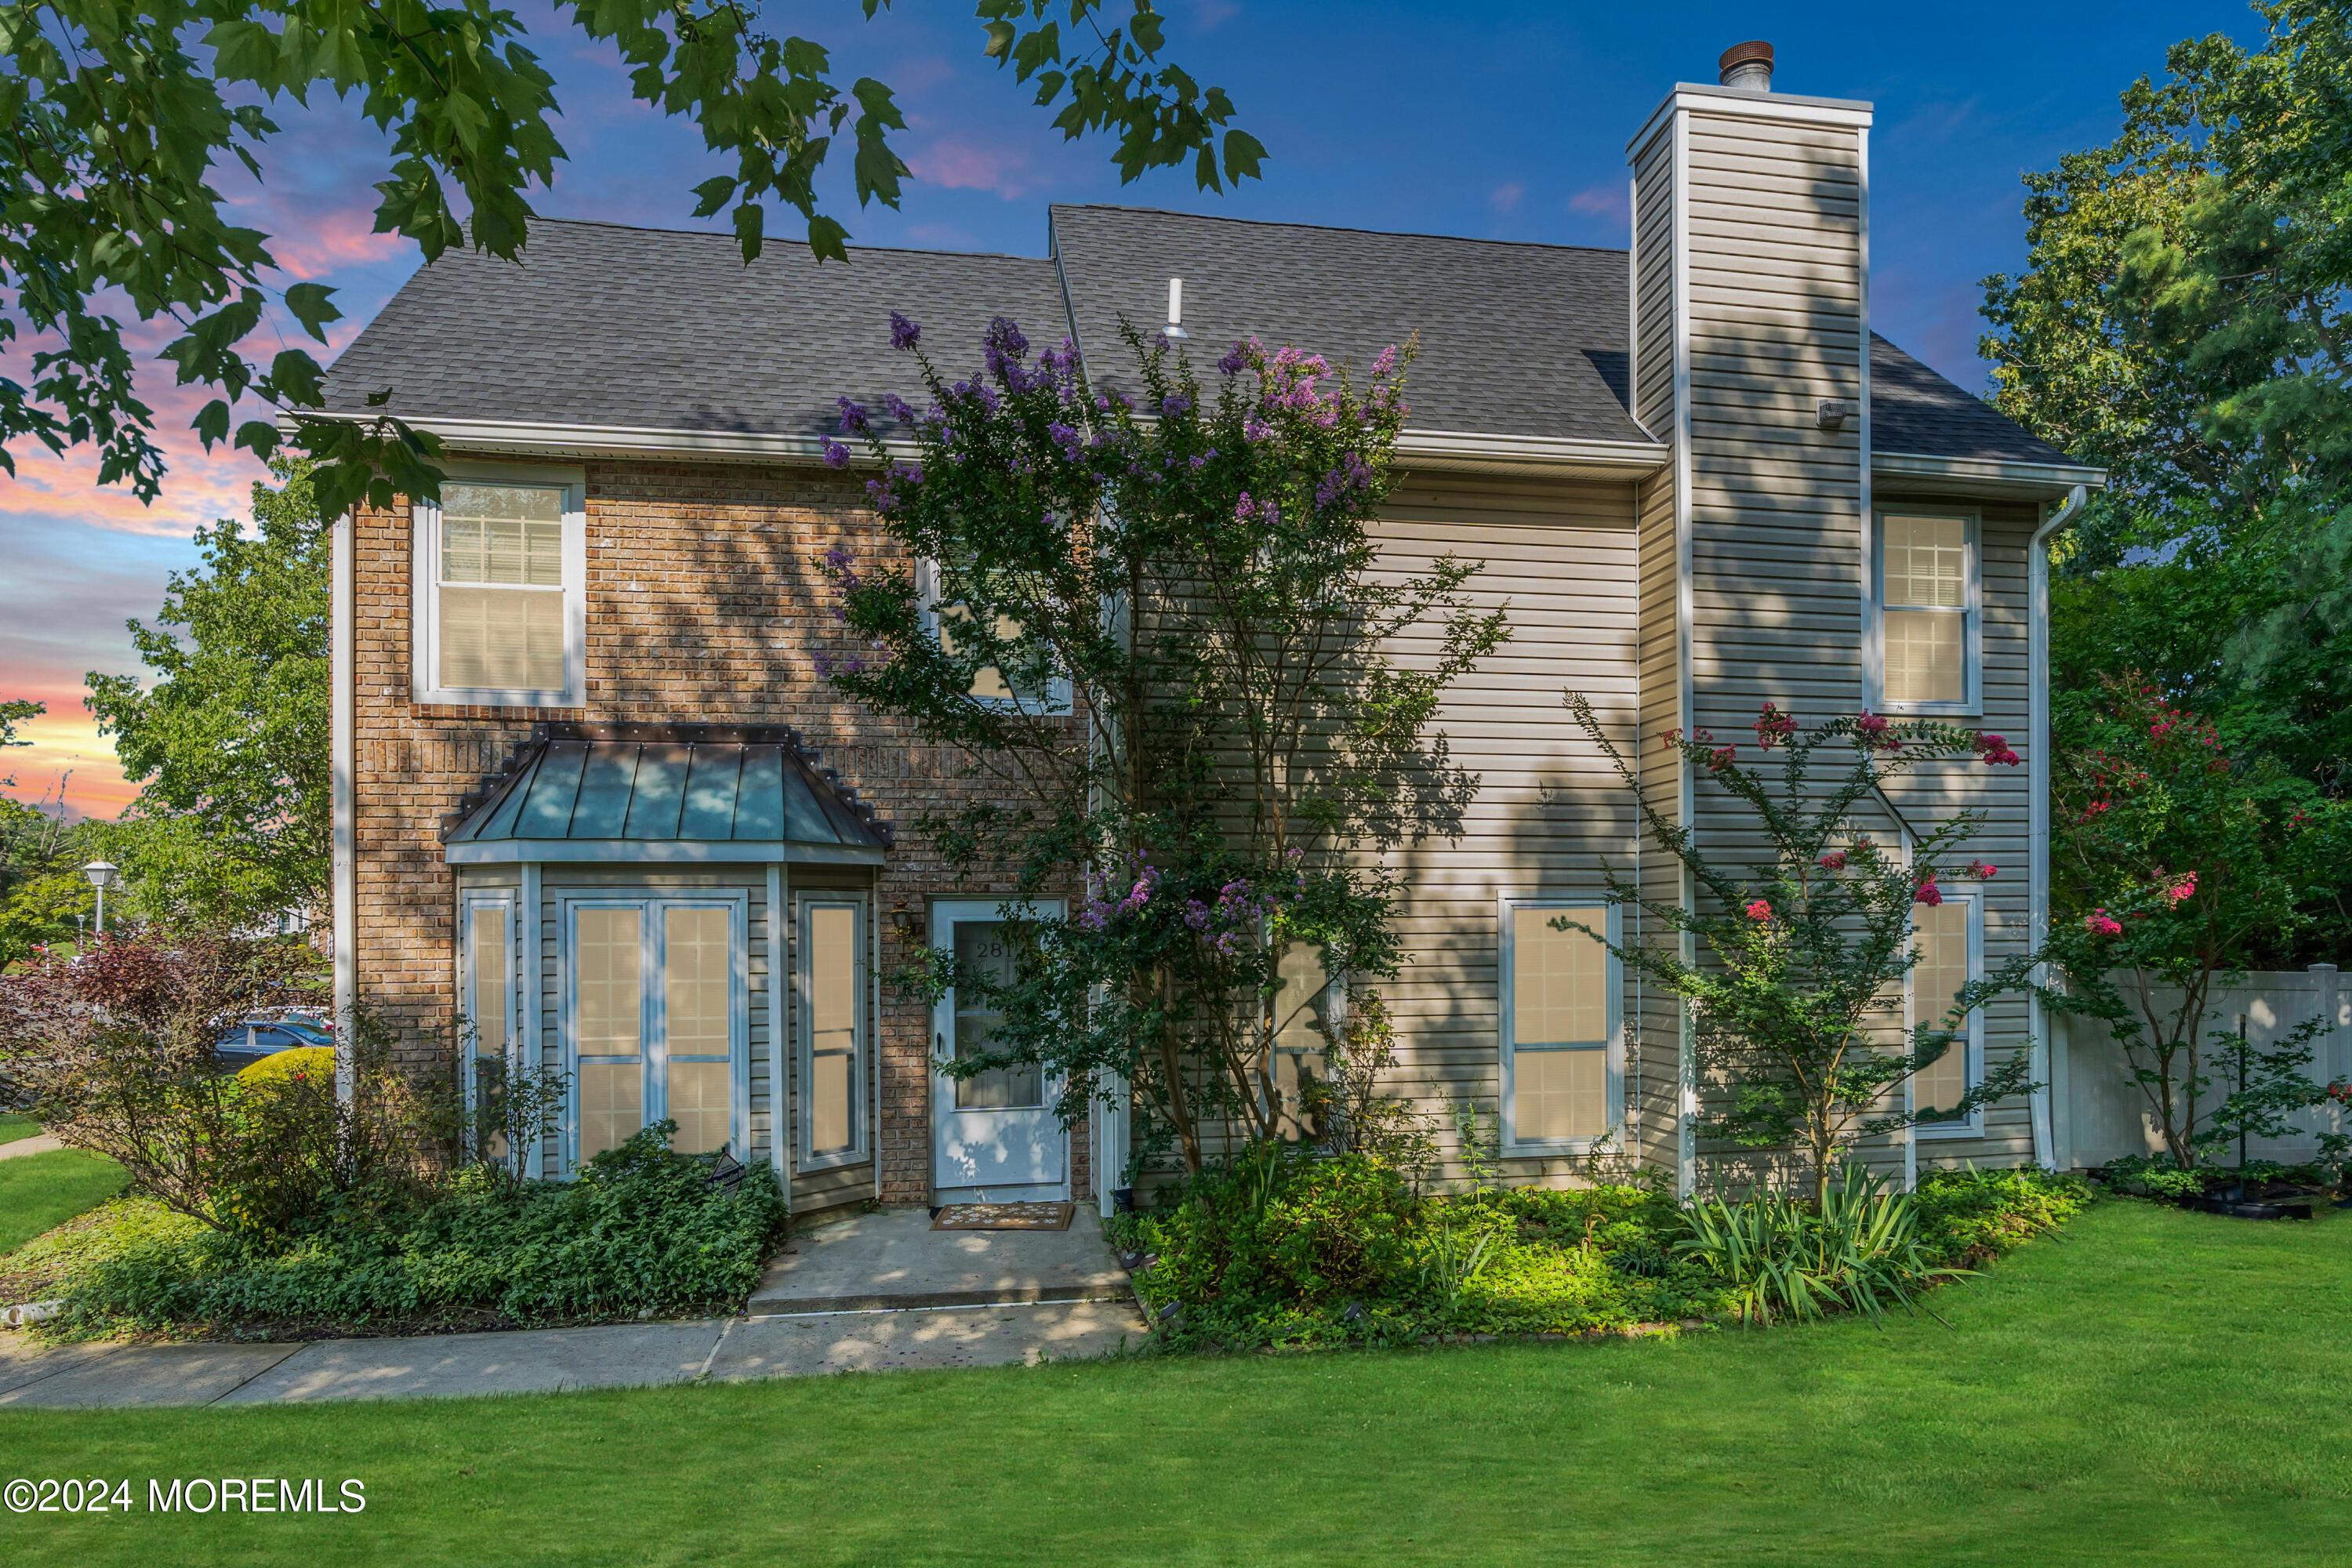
(1747, 66)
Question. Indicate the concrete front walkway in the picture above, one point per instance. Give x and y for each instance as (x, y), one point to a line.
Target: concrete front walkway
(38, 1144)
(894, 1258)
(550, 1359)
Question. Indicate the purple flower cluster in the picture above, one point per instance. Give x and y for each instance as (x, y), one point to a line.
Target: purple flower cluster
(853, 418)
(1352, 475)
(1175, 405)
(1235, 362)
(837, 455)
(903, 333)
(884, 492)
(898, 408)
(1099, 909)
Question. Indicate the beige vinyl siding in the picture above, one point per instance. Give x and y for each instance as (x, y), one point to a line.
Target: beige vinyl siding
(1548, 811)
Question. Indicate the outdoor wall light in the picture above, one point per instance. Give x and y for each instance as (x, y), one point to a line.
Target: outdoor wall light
(902, 920)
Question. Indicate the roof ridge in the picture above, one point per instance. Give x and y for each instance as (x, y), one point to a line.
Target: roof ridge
(800, 243)
(1332, 227)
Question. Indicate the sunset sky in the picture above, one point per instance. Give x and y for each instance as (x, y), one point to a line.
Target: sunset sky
(1503, 121)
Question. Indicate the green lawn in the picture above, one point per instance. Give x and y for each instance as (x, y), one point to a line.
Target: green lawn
(2157, 1387)
(15, 1125)
(37, 1191)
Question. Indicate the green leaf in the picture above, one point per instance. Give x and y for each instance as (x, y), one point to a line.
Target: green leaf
(258, 437)
(826, 238)
(712, 195)
(1243, 155)
(296, 378)
(211, 423)
(309, 304)
(750, 220)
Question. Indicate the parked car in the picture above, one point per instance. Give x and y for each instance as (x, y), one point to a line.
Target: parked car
(240, 1047)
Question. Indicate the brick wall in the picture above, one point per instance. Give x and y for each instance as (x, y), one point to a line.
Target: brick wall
(708, 602)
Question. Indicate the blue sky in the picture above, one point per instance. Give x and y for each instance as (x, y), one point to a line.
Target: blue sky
(1506, 121)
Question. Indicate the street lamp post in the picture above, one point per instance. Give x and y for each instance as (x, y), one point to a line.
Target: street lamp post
(102, 875)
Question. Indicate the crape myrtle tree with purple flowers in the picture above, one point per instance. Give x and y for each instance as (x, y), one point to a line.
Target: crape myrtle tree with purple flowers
(1148, 616)
(1788, 964)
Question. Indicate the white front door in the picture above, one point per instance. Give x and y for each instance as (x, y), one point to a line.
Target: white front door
(994, 1137)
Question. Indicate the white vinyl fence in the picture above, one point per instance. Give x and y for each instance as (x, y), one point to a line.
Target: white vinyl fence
(2099, 1114)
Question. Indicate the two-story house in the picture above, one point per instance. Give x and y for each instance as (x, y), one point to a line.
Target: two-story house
(595, 795)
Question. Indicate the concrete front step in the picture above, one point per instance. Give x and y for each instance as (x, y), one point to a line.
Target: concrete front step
(893, 1259)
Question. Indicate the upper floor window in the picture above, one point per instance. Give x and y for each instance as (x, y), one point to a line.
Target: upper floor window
(990, 684)
(1928, 597)
(501, 570)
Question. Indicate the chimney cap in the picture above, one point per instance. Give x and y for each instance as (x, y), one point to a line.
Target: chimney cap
(1746, 64)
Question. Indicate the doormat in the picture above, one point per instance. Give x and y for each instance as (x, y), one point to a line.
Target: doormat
(1004, 1217)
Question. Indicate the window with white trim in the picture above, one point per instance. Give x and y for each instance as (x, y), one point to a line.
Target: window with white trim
(1950, 938)
(831, 976)
(990, 684)
(501, 564)
(487, 986)
(657, 1020)
(1928, 597)
(1562, 1050)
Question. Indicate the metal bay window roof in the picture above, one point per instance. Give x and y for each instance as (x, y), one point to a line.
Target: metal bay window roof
(665, 793)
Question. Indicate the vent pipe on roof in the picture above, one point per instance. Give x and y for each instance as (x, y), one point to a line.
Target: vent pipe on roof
(1175, 327)
(1748, 67)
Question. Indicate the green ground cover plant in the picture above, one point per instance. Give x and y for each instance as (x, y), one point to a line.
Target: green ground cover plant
(1284, 1249)
(2158, 1388)
(642, 1232)
(39, 1191)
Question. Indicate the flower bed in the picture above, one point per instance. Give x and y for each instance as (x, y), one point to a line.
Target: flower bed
(642, 1232)
(1289, 1252)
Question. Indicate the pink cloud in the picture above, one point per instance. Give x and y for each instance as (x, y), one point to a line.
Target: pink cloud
(1505, 197)
(335, 241)
(1599, 201)
(961, 165)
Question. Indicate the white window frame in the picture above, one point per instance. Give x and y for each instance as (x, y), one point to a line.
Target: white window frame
(1973, 1047)
(469, 977)
(654, 1012)
(1058, 695)
(1971, 610)
(861, 1067)
(425, 596)
(1613, 977)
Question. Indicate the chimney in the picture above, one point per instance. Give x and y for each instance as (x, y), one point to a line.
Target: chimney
(1747, 66)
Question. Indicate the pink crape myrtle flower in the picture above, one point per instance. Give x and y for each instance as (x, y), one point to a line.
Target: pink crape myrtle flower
(1759, 910)
(2101, 923)
(1928, 893)
(2184, 888)
(1983, 871)
(1834, 861)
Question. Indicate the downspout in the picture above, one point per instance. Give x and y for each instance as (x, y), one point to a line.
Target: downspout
(2037, 568)
(342, 793)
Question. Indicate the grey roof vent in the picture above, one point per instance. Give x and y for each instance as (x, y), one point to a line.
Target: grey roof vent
(1748, 67)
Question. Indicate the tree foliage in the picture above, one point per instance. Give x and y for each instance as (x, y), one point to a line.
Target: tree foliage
(2178, 864)
(1794, 958)
(1152, 625)
(2182, 322)
(229, 740)
(122, 110)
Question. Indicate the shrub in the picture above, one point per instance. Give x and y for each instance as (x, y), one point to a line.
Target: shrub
(1970, 1217)
(641, 1231)
(1859, 1249)
(312, 1062)
(117, 1054)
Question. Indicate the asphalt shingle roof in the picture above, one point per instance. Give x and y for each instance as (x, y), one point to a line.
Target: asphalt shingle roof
(1515, 340)
(599, 324)
(1912, 409)
(659, 330)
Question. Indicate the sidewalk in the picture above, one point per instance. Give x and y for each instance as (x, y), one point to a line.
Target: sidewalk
(550, 1359)
(38, 1144)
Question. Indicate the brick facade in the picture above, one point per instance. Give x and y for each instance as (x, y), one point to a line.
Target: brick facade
(707, 601)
